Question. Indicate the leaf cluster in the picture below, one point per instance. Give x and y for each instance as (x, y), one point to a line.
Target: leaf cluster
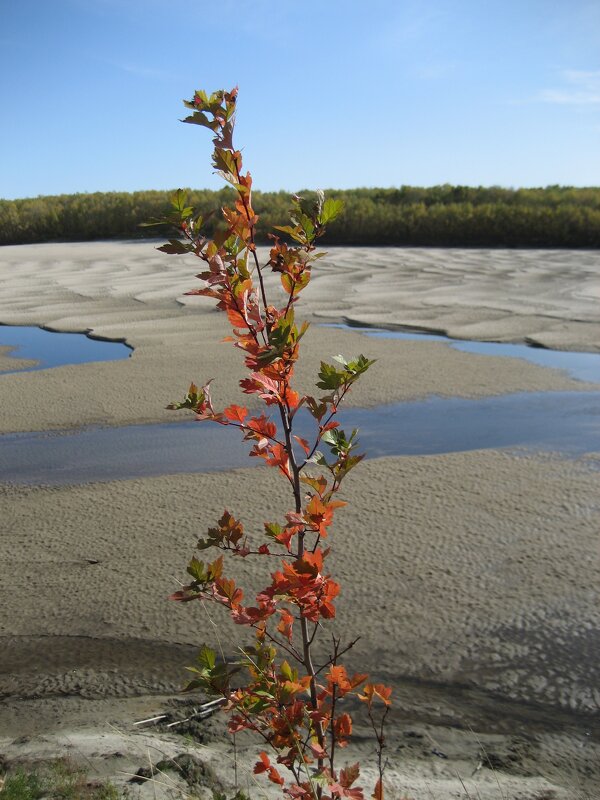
(290, 701)
(332, 377)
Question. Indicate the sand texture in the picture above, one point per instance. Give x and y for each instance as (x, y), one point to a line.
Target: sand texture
(484, 613)
(129, 291)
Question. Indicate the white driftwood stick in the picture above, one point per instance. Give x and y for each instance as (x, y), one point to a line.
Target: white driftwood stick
(150, 719)
(204, 711)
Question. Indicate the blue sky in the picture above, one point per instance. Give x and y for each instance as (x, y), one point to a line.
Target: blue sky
(333, 94)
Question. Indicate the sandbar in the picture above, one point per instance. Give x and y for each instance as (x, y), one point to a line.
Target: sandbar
(484, 615)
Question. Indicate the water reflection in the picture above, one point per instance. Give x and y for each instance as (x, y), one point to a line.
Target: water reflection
(53, 349)
(567, 422)
(582, 366)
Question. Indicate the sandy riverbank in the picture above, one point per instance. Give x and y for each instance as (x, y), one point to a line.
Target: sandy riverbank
(131, 291)
(487, 562)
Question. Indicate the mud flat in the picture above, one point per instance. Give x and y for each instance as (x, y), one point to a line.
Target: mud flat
(485, 617)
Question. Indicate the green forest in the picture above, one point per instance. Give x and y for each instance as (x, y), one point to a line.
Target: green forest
(438, 216)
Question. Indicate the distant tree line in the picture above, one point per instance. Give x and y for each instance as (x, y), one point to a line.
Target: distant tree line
(438, 216)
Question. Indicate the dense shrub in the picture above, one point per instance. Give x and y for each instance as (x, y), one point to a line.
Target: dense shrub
(439, 216)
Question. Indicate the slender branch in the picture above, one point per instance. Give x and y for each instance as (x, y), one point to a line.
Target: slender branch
(320, 434)
(314, 633)
(295, 472)
(242, 196)
(289, 648)
(332, 730)
(254, 727)
(306, 639)
(258, 267)
(235, 551)
(379, 736)
(329, 662)
(247, 428)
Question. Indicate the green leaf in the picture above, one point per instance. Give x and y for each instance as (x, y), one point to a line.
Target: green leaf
(296, 233)
(331, 377)
(223, 161)
(193, 399)
(176, 248)
(197, 683)
(207, 657)
(318, 409)
(318, 458)
(308, 227)
(349, 463)
(360, 364)
(286, 671)
(341, 360)
(197, 569)
(178, 200)
(273, 529)
(204, 544)
(331, 210)
(198, 118)
(339, 443)
(330, 437)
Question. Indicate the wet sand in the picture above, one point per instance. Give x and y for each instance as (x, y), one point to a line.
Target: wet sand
(486, 610)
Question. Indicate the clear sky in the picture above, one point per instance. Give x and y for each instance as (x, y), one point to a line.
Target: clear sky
(333, 93)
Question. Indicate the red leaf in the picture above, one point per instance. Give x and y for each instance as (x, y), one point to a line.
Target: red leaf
(317, 750)
(183, 596)
(286, 535)
(270, 386)
(342, 727)
(227, 589)
(303, 444)
(373, 690)
(262, 765)
(378, 791)
(236, 413)
(285, 626)
(329, 427)
(235, 318)
(279, 458)
(275, 777)
(349, 775)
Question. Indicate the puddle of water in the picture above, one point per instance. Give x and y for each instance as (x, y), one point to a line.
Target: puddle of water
(53, 349)
(581, 366)
(567, 422)
(131, 451)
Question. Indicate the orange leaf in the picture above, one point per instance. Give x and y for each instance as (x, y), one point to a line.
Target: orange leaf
(236, 413)
(303, 444)
(235, 318)
(329, 427)
(285, 625)
(373, 690)
(227, 589)
(342, 728)
(349, 775)
(262, 765)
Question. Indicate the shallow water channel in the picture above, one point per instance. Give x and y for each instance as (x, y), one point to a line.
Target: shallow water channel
(52, 349)
(582, 366)
(566, 422)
